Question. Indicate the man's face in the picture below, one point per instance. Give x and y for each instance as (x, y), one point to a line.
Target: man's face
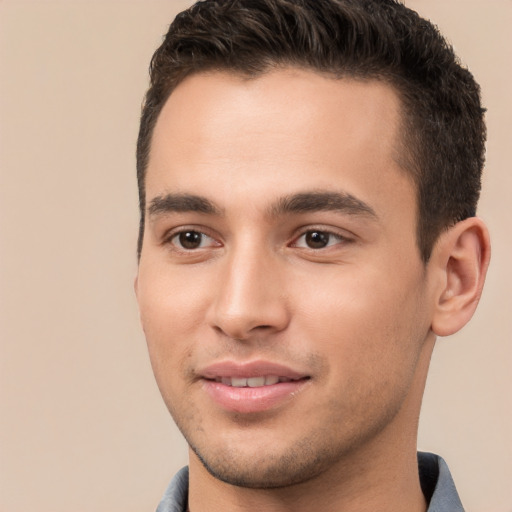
(281, 291)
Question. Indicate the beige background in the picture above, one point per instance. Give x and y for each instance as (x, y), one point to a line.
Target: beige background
(82, 426)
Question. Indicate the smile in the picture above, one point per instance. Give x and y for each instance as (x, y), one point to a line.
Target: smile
(252, 386)
(252, 382)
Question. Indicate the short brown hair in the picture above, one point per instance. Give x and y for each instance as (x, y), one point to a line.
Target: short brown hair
(443, 140)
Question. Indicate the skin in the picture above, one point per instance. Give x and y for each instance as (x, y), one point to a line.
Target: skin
(358, 316)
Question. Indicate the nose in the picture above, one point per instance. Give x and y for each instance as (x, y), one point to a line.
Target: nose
(250, 298)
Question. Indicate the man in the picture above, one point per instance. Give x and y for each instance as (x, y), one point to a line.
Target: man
(308, 174)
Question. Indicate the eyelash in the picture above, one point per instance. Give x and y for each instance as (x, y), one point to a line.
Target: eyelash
(171, 237)
(326, 237)
(325, 233)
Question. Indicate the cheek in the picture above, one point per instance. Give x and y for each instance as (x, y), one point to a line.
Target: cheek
(368, 324)
(170, 310)
(169, 301)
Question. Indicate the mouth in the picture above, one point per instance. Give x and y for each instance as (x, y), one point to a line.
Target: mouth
(253, 382)
(253, 386)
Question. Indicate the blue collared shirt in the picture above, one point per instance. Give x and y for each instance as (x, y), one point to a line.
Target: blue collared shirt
(436, 483)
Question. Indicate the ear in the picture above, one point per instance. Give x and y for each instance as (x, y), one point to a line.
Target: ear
(460, 257)
(136, 289)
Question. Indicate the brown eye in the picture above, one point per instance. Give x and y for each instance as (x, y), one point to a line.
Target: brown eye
(316, 239)
(190, 240)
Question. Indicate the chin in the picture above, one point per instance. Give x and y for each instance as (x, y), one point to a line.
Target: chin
(266, 470)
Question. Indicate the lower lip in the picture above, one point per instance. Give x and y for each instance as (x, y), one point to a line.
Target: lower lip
(251, 400)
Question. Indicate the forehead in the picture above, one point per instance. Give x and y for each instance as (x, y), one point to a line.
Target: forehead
(285, 129)
(290, 99)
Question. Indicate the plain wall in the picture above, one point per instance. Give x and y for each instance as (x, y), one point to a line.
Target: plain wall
(82, 425)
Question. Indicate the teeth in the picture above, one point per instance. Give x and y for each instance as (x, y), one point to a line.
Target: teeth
(238, 382)
(256, 382)
(252, 382)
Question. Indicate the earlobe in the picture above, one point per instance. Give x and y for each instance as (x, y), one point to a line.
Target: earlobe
(461, 255)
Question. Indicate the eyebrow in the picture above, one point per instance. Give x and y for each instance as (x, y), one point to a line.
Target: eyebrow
(302, 202)
(305, 202)
(180, 203)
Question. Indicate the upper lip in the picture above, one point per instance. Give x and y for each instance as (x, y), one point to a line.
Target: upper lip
(249, 369)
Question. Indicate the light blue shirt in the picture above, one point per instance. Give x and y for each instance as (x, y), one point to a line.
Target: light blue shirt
(436, 483)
